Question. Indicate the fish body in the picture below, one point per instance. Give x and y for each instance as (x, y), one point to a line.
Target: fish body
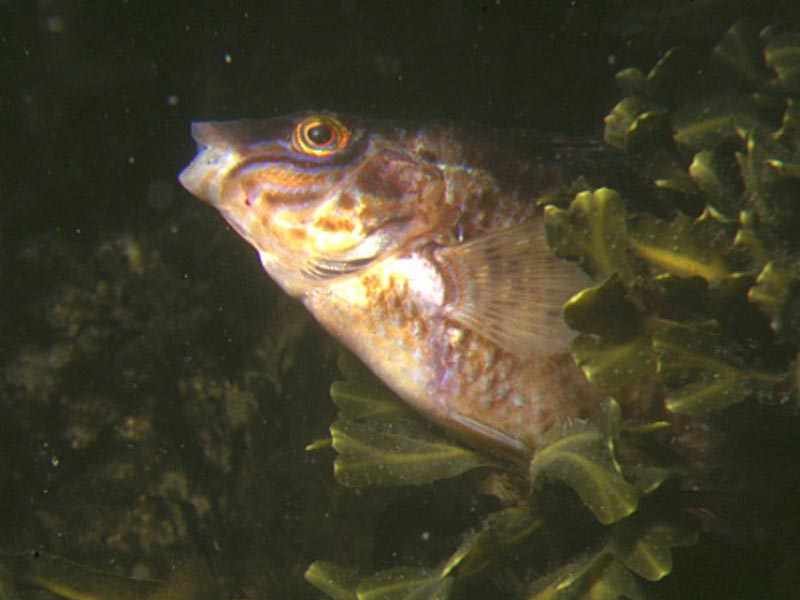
(422, 249)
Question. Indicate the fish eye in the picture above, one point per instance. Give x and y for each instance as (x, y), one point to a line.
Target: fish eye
(320, 136)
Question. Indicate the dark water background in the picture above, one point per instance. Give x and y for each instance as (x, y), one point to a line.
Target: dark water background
(156, 389)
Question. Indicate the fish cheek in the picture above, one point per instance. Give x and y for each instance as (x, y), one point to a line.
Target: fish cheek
(394, 178)
(394, 187)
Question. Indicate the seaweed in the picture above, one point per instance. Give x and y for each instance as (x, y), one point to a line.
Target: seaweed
(691, 326)
(693, 314)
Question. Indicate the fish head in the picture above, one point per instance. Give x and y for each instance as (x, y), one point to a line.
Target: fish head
(317, 194)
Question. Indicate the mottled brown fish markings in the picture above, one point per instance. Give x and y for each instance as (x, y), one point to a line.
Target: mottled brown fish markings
(422, 249)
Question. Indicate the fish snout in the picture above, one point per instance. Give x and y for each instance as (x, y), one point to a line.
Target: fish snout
(212, 163)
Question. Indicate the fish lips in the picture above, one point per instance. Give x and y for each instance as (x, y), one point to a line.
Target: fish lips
(215, 158)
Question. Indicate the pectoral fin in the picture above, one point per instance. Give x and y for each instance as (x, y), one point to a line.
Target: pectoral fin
(510, 288)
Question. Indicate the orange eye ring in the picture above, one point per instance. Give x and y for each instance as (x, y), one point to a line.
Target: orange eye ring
(320, 135)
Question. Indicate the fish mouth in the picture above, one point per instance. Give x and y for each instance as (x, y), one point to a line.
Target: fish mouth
(204, 176)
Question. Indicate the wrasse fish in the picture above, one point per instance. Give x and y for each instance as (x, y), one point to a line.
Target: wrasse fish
(422, 249)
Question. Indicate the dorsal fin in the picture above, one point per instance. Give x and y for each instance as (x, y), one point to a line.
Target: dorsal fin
(509, 287)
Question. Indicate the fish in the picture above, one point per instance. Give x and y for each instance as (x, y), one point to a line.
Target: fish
(422, 248)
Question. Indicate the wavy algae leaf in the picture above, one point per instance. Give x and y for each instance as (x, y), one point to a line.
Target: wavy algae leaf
(583, 459)
(789, 133)
(750, 239)
(617, 356)
(617, 368)
(592, 230)
(334, 580)
(770, 173)
(782, 54)
(740, 51)
(716, 175)
(406, 583)
(771, 292)
(398, 451)
(624, 119)
(701, 372)
(399, 583)
(648, 478)
(66, 579)
(631, 81)
(364, 399)
(785, 168)
(712, 121)
(684, 247)
(604, 310)
(381, 441)
(500, 532)
(645, 547)
(647, 135)
(596, 576)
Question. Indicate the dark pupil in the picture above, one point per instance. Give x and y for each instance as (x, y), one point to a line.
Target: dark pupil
(320, 134)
